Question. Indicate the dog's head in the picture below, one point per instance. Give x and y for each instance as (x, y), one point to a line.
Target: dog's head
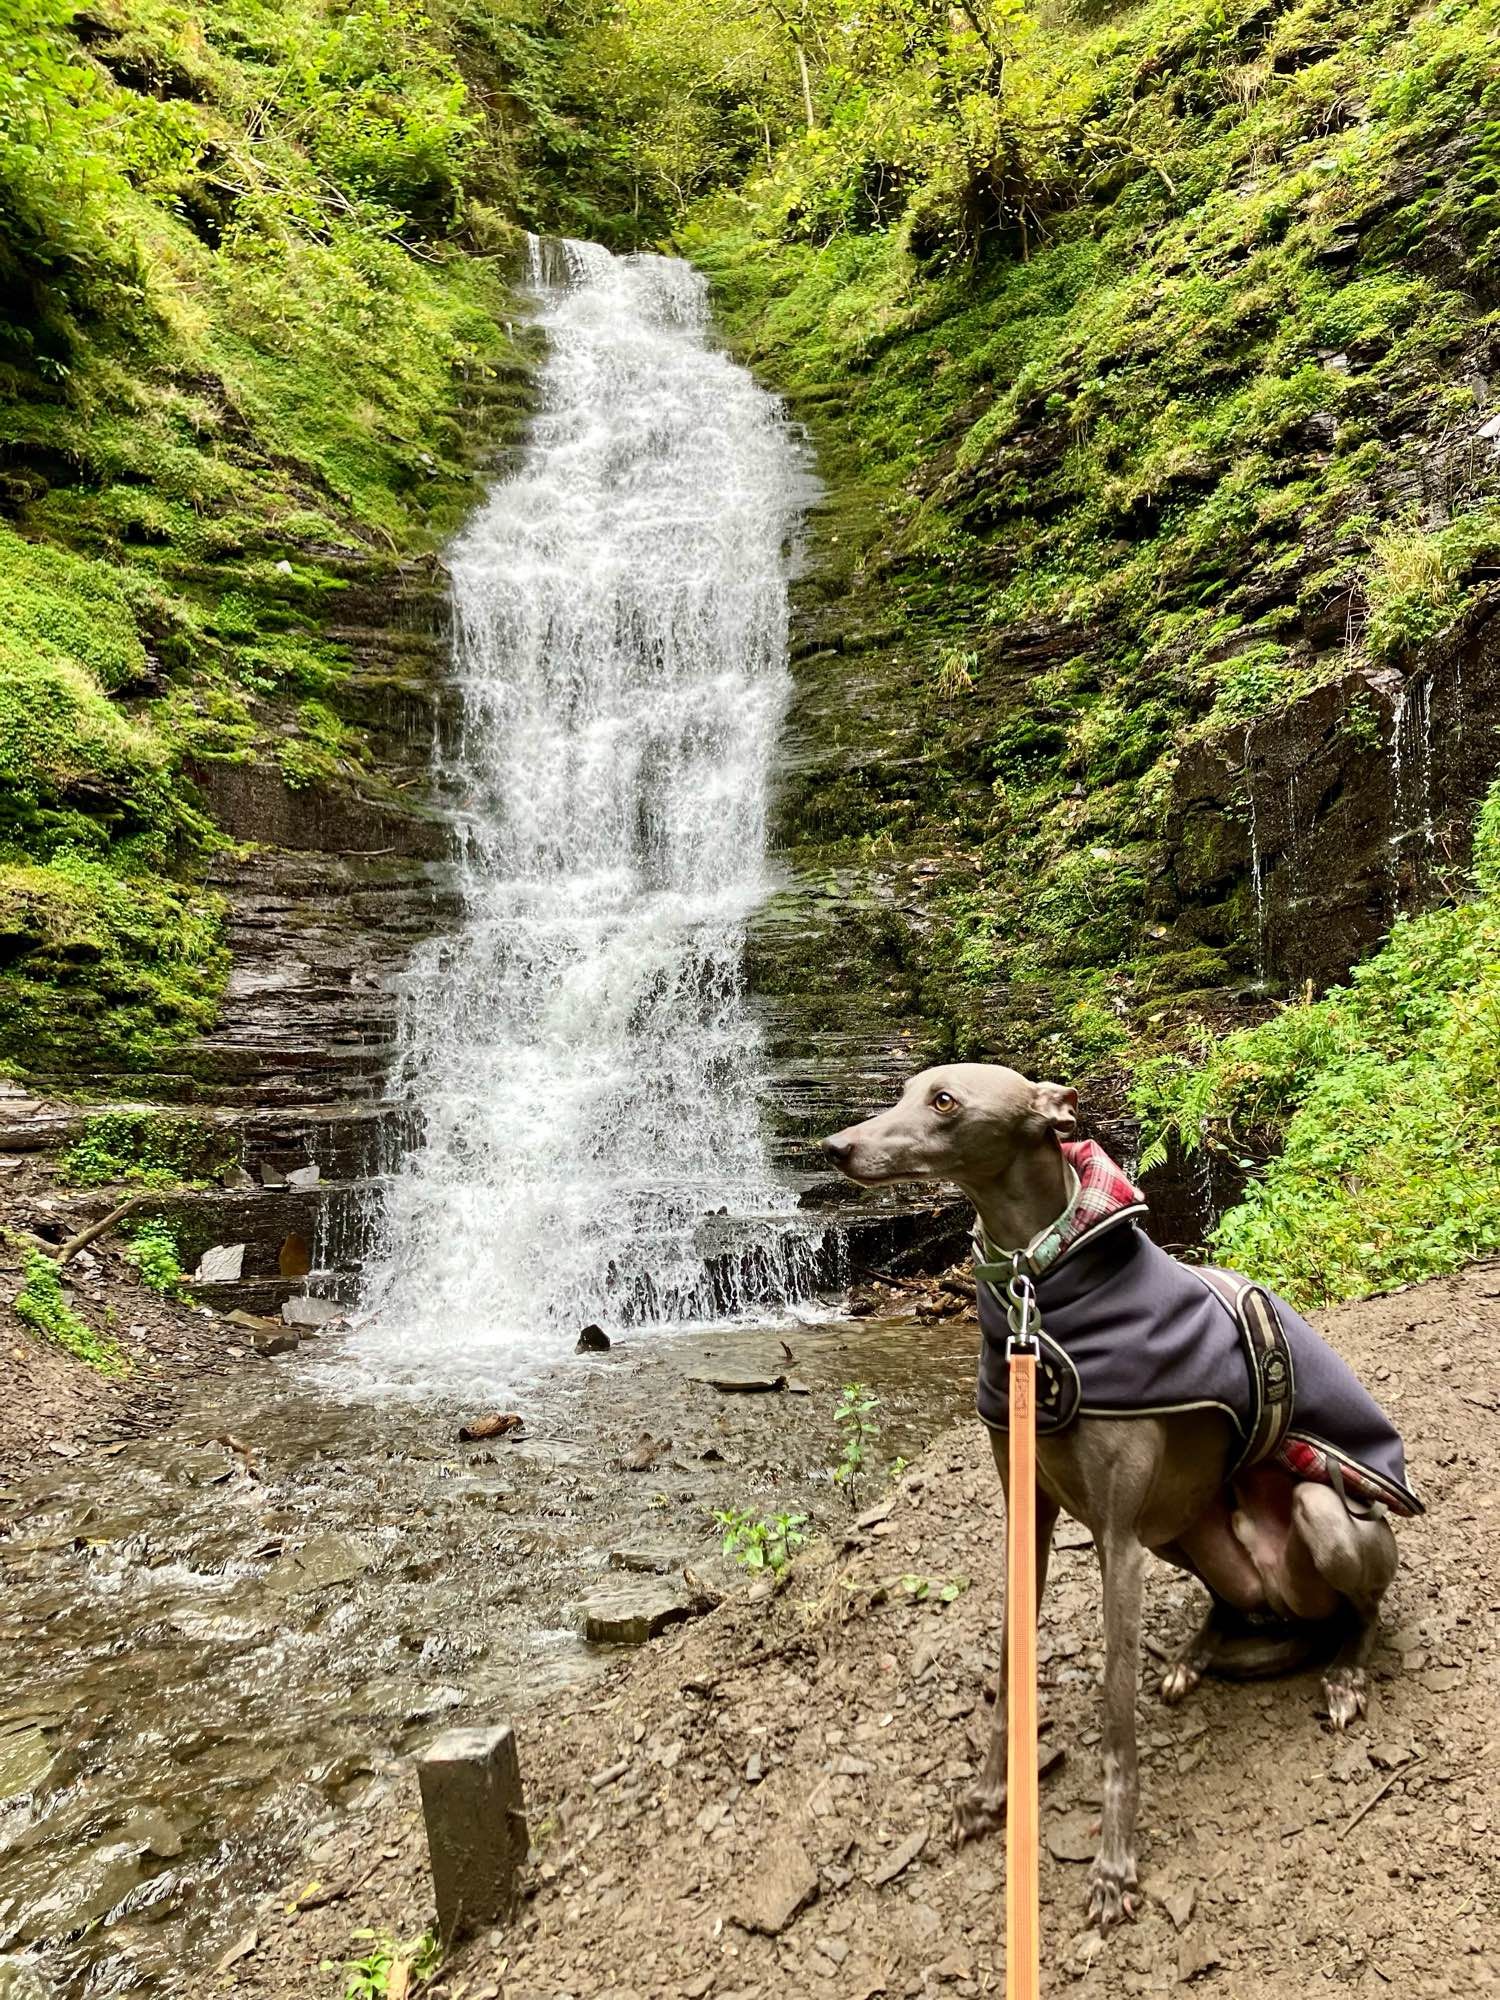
(964, 1122)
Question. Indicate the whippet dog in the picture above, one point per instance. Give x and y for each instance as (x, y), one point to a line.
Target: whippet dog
(1294, 1548)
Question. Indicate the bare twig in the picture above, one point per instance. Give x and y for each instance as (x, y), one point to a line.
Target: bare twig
(1375, 1797)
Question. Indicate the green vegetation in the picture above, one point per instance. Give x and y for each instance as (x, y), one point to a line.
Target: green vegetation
(1382, 1104)
(388, 1966)
(152, 1148)
(252, 273)
(858, 1431)
(933, 1589)
(761, 1544)
(152, 1248)
(1124, 343)
(42, 1305)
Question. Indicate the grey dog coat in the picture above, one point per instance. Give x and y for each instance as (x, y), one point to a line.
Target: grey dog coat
(1127, 1331)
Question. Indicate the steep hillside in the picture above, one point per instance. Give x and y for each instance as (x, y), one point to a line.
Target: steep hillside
(253, 294)
(1148, 664)
(1151, 612)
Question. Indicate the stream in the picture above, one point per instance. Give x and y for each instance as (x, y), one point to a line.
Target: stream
(214, 1642)
(224, 1648)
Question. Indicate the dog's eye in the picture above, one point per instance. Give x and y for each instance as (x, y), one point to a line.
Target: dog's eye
(945, 1101)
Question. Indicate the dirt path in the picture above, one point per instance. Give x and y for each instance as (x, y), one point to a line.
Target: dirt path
(843, 1713)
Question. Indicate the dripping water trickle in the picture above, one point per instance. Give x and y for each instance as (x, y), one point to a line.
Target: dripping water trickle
(1411, 779)
(1257, 860)
(579, 1059)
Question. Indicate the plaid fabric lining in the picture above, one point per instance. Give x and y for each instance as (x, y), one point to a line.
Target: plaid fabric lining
(1308, 1458)
(1103, 1190)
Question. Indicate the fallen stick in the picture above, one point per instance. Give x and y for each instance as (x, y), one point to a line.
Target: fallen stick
(890, 1278)
(1373, 1801)
(85, 1237)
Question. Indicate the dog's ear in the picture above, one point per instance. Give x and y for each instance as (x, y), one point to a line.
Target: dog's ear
(1058, 1106)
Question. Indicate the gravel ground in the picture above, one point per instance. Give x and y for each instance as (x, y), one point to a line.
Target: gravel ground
(814, 1739)
(53, 1406)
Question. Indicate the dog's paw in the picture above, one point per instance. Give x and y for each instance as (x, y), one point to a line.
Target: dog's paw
(1112, 1892)
(1344, 1694)
(1178, 1682)
(978, 1812)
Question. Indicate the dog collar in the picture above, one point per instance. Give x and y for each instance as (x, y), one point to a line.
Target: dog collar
(1100, 1197)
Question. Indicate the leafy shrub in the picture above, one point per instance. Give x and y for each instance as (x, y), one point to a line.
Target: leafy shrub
(858, 1432)
(152, 1248)
(761, 1544)
(388, 1965)
(1383, 1098)
(43, 1306)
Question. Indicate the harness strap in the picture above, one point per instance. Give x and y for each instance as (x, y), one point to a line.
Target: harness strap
(1267, 1356)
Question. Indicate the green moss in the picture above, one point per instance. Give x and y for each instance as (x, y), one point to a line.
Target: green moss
(152, 1248)
(100, 967)
(148, 1147)
(42, 1305)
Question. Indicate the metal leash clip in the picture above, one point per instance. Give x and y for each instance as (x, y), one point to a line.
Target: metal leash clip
(1022, 1317)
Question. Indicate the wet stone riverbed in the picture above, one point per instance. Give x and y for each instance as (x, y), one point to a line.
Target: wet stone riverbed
(213, 1642)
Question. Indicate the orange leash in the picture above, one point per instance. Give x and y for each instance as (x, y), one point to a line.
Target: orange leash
(1022, 1824)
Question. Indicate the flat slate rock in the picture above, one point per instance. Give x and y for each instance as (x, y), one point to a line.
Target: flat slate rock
(628, 1614)
(648, 1559)
(280, 1340)
(310, 1312)
(782, 1881)
(221, 1265)
(1071, 1836)
(740, 1382)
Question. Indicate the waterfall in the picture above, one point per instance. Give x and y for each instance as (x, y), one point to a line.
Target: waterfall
(578, 1062)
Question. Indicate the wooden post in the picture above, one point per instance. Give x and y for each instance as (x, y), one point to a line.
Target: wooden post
(1022, 1822)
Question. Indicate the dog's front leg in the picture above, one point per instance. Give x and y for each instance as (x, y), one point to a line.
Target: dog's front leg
(982, 1809)
(1112, 1879)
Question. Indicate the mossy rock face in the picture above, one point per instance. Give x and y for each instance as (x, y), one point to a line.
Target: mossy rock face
(235, 428)
(1150, 600)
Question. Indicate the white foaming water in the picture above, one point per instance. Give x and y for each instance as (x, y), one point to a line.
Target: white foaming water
(578, 1057)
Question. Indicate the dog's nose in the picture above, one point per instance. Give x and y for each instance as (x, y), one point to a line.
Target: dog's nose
(840, 1149)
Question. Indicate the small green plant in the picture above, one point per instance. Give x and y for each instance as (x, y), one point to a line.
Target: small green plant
(858, 1431)
(1411, 590)
(43, 1306)
(759, 1544)
(153, 1251)
(374, 1975)
(934, 1589)
(954, 674)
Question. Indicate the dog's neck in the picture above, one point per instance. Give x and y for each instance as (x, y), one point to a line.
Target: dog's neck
(1018, 1204)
